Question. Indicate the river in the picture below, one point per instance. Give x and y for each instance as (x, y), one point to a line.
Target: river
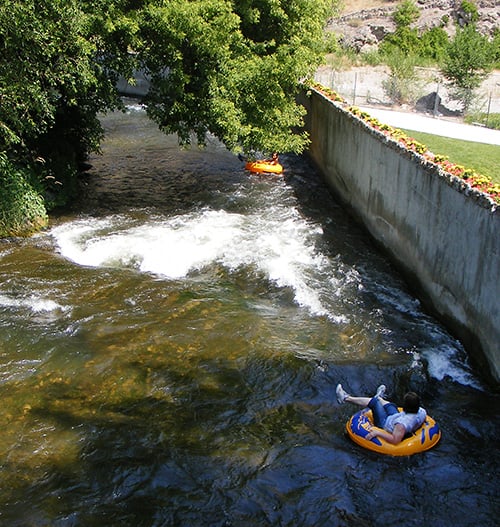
(170, 347)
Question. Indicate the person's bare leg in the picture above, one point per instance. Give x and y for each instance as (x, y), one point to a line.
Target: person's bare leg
(343, 396)
(360, 401)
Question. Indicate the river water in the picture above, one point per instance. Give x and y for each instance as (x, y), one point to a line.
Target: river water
(169, 351)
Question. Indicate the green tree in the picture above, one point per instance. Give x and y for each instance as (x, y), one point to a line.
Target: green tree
(53, 82)
(469, 59)
(48, 66)
(232, 68)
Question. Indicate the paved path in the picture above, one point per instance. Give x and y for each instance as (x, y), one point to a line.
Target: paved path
(436, 126)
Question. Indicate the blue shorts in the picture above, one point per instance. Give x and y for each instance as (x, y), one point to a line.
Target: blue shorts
(381, 411)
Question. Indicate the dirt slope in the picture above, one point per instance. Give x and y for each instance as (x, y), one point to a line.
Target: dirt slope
(353, 6)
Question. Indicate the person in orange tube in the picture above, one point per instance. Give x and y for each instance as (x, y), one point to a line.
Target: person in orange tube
(274, 159)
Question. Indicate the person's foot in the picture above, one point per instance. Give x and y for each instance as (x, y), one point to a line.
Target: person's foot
(342, 395)
(380, 391)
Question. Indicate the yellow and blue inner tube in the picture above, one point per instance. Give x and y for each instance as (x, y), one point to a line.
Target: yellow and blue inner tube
(424, 438)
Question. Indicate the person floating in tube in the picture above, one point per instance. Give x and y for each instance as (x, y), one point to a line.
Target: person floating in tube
(274, 159)
(393, 424)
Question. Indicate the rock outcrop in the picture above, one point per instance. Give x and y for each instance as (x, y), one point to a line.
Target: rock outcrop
(364, 30)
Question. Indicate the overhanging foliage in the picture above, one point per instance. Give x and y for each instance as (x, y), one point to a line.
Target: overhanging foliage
(227, 68)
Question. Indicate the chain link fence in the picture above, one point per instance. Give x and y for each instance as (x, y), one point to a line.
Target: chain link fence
(367, 86)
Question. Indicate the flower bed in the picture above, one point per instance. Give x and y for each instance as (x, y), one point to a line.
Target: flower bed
(471, 178)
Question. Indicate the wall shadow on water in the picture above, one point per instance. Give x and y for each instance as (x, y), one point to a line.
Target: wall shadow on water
(382, 288)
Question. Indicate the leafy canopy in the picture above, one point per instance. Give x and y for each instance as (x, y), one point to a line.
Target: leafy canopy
(52, 82)
(51, 89)
(231, 68)
(223, 67)
(217, 66)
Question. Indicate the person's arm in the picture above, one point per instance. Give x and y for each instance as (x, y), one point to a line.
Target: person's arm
(394, 438)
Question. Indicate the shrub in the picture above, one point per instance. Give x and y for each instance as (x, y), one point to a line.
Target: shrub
(331, 43)
(22, 208)
(491, 120)
(402, 84)
(433, 43)
(405, 40)
(406, 13)
(469, 10)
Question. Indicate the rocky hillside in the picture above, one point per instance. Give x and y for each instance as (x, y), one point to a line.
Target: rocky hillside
(364, 23)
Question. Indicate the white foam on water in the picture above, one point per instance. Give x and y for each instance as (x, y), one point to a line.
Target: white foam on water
(443, 362)
(39, 305)
(275, 241)
(36, 304)
(280, 245)
(135, 107)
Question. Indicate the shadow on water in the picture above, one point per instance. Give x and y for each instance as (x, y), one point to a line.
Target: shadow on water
(208, 399)
(141, 167)
(252, 442)
(381, 288)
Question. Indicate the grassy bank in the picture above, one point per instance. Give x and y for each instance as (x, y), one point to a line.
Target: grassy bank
(483, 158)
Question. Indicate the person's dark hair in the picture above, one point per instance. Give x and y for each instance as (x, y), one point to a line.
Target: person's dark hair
(411, 403)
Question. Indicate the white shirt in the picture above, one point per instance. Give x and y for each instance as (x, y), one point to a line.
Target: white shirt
(410, 421)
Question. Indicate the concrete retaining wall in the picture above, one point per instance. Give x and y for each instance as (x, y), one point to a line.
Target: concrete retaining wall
(445, 237)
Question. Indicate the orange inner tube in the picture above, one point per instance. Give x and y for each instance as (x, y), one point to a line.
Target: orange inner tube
(264, 167)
